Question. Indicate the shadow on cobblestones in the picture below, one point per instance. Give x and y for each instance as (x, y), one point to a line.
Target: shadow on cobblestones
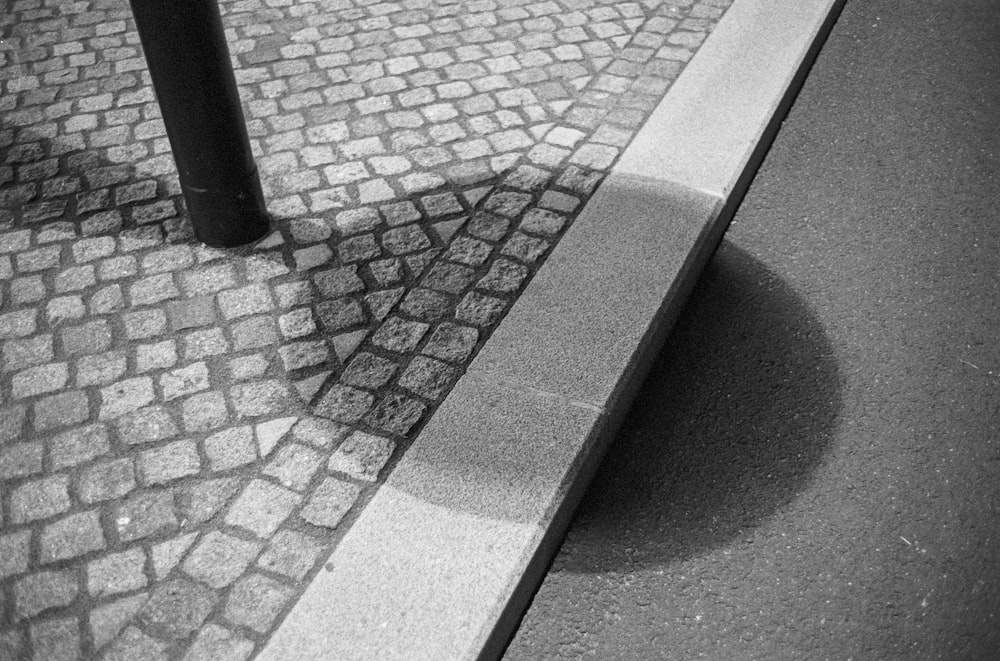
(712, 454)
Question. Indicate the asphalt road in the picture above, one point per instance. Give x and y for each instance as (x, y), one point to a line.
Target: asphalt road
(812, 469)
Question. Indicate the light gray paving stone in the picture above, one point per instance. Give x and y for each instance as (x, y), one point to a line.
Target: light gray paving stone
(330, 501)
(177, 607)
(251, 366)
(344, 404)
(218, 559)
(256, 602)
(61, 410)
(39, 380)
(200, 500)
(40, 498)
(146, 425)
(21, 459)
(100, 369)
(116, 573)
(291, 553)
(107, 620)
(184, 381)
(134, 644)
(262, 507)
(216, 643)
(56, 640)
(260, 398)
(21, 353)
(42, 590)
(145, 514)
(125, 396)
(78, 445)
(14, 552)
(72, 536)
(362, 456)
(294, 465)
(106, 480)
(204, 411)
(169, 462)
(230, 448)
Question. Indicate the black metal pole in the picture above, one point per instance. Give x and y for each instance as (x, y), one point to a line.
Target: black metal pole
(188, 58)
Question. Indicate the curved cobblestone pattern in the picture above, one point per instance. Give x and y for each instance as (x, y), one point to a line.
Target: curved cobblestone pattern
(185, 432)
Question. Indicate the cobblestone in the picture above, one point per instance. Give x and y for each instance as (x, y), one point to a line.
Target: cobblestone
(291, 553)
(215, 643)
(219, 559)
(262, 507)
(169, 462)
(256, 601)
(38, 592)
(117, 573)
(177, 607)
(331, 500)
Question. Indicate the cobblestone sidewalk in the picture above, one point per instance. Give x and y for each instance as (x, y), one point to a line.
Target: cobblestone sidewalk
(186, 432)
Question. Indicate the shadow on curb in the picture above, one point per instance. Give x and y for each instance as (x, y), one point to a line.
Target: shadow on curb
(735, 416)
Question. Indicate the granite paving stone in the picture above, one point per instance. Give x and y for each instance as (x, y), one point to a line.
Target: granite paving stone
(218, 559)
(419, 161)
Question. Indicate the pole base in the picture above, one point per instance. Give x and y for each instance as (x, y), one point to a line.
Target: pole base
(230, 216)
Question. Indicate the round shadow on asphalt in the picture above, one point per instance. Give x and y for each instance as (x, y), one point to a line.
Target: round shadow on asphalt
(731, 422)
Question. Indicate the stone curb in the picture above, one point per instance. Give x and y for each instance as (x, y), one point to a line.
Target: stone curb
(445, 558)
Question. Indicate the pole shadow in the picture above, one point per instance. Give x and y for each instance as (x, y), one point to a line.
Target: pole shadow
(733, 419)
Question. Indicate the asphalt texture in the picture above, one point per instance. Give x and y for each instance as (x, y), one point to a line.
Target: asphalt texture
(812, 468)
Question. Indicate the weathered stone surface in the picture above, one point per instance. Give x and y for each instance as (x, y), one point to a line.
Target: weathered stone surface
(40, 498)
(256, 601)
(125, 396)
(169, 462)
(14, 553)
(184, 381)
(109, 619)
(425, 304)
(146, 425)
(21, 459)
(40, 591)
(396, 414)
(78, 445)
(216, 643)
(368, 371)
(106, 480)
(291, 553)
(218, 559)
(117, 573)
(134, 644)
(146, 514)
(262, 507)
(177, 608)
(344, 404)
(64, 409)
(331, 500)
(230, 448)
(199, 501)
(167, 554)
(56, 640)
(399, 335)
(452, 342)
(427, 377)
(257, 398)
(204, 411)
(362, 456)
(71, 536)
(294, 465)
